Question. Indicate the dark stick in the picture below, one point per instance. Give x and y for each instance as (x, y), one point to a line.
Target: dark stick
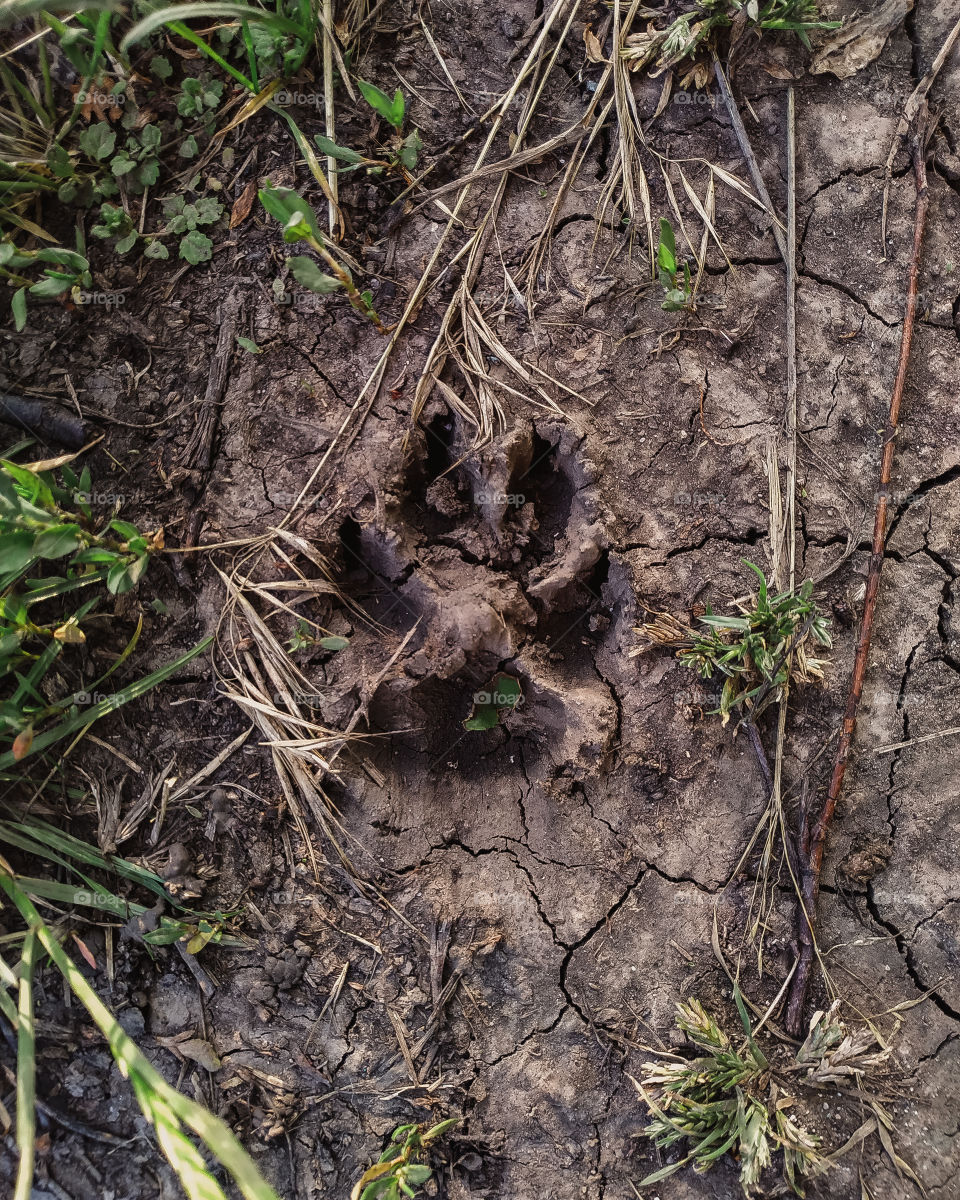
(198, 457)
(747, 150)
(814, 835)
(44, 420)
(762, 761)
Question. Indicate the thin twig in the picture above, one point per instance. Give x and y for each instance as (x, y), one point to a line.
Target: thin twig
(330, 126)
(788, 531)
(813, 837)
(762, 761)
(747, 150)
(926, 737)
(910, 109)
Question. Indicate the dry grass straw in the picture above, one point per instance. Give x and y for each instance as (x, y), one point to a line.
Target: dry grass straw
(626, 190)
(781, 465)
(486, 419)
(465, 339)
(259, 675)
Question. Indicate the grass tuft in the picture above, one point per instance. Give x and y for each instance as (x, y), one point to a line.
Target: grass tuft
(755, 653)
(725, 1101)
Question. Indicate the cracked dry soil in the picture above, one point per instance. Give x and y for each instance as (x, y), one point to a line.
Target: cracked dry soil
(551, 882)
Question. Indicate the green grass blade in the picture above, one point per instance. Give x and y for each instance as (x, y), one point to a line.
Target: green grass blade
(8, 980)
(28, 683)
(102, 29)
(14, 11)
(251, 54)
(304, 147)
(180, 1151)
(188, 35)
(107, 705)
(92, 896)
(26, 1071)
(187, 12)
(121, 658)
(44, 64)
(158, 1099)
(44, 841)
(63, 586)
(10, 836)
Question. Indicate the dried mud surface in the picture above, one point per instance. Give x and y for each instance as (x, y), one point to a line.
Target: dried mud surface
(552, 883)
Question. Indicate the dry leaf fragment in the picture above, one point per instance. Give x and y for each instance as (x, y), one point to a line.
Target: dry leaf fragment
(22, 743)
(193, 1048)
(85, 951)
(778, 70)
(98, 101)
(243, 204)
(592, 43)
(856, 45)
(70, 633)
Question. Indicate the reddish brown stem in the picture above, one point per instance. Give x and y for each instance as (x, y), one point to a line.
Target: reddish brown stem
(814, 834)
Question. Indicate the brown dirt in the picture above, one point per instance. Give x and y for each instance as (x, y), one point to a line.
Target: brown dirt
(563, 868)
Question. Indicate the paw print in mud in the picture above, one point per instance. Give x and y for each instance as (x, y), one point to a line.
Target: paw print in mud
(496, 559)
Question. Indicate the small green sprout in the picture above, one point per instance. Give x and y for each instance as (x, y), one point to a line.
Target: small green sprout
(502, 695)
(303, 637)
(64, 272)
(695, 32)
(755, 653)
(300, 224)
(398, 1172)
(392, 111)
(402, 154)
(677, 288)
(724, 1101)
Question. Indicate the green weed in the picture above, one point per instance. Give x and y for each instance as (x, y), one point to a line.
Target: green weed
(41, 613)
(675, 281)
(53, 548)
(300, 224)
(399, 1171)
(403, 154)
(696, 30)
(271, 43)
(754, 653)
(725, 1101)
(123, 143)
(304, 637)
(502, 695)
(63, 272)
